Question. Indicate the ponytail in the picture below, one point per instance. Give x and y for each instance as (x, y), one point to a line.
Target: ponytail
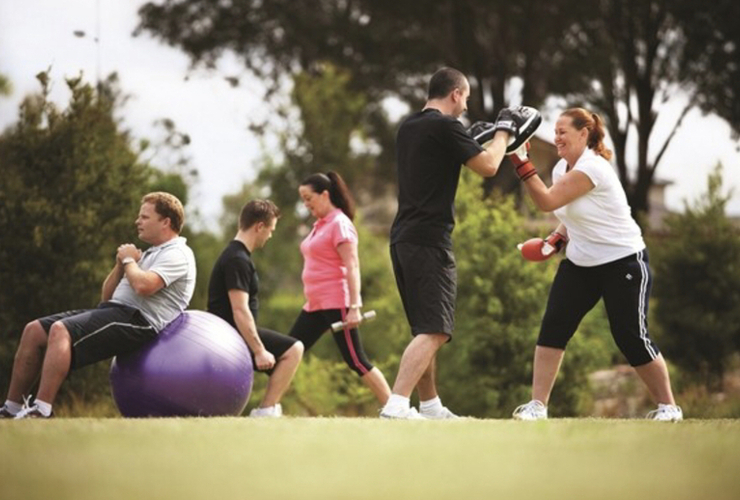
(580, 118)
(338, 191)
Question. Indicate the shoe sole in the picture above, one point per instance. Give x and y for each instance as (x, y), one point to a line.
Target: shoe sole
(392, 417)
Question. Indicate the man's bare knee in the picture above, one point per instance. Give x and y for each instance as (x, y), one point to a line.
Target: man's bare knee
(34, 336)
(295, 353)
(437, 339)
(58, 334)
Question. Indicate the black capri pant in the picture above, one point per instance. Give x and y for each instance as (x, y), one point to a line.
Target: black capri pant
(309, 326)
(624, 284)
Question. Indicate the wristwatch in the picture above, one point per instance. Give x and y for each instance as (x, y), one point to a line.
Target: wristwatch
(127, 260)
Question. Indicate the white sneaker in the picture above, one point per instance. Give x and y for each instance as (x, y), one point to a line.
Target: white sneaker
(401, 413)
(534, 410)
(269, 412)
(439, 413)
(666, 413)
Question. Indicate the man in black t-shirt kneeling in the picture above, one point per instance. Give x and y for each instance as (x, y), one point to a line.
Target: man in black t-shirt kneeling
(232, 295)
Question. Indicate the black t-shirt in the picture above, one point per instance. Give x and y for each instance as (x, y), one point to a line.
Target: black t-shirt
(431, 149)
(234, 270)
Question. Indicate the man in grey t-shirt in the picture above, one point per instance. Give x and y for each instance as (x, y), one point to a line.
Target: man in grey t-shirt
(142, 294)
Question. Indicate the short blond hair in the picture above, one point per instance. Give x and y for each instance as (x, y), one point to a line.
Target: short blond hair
(167, 205)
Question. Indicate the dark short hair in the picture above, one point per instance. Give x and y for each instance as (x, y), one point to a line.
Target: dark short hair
(257, 211)
(444, 81)
(168, 206)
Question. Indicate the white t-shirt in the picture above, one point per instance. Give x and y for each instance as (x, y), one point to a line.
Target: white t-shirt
(600, 227)
(174, 262)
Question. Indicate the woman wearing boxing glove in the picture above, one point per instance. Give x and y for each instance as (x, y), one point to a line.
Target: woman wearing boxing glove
(606, 258)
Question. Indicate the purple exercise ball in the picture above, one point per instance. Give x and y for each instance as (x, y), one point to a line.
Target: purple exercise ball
(198, 366)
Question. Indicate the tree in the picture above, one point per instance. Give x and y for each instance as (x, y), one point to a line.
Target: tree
(624, 58)
(697, 287)
(69, 194)
(630, 58)
(5, 87)
(713, 61)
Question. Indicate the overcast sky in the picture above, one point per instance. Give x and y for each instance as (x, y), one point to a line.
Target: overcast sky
(36, 34)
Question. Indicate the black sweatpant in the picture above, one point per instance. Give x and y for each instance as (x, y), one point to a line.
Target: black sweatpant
(625, 287)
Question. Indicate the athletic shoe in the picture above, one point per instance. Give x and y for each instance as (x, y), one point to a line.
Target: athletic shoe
(31, 412)
(442, 413)
(666, 413)
(269, 412)
(5, 413)
(521, 122)
(534, 410)
(401, 414)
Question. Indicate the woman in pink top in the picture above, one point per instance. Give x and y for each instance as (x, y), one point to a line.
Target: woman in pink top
(331, 276)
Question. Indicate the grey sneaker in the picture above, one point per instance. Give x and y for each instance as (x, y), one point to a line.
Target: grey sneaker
(438, 414)
(521, 122)
(534, 410)
(666, 413)
(5, 413)
(31, 412)
(401, 414)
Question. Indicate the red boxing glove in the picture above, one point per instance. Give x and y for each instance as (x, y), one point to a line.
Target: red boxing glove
(520, 160)
(532, 250)
(537, 249)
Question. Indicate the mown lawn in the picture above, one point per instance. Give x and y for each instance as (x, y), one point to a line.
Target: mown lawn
(361, 458)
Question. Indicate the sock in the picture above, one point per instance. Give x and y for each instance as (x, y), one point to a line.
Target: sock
(431, 404)
(12, 406)
(398, 401)
(43, 406)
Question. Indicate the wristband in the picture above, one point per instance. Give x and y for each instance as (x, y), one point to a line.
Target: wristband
(525, 170)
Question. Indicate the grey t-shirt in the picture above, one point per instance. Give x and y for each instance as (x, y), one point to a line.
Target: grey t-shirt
(174, 262)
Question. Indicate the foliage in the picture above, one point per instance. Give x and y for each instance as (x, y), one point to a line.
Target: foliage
(5, 86)
(698, 287)
(713, 64)
(388, 45)
(623, 58)
(69, 195)
(629, 59)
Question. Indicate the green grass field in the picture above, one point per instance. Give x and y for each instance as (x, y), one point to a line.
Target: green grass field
(361, 458)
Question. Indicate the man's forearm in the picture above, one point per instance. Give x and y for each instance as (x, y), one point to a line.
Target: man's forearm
(111, 282)
(248, 330)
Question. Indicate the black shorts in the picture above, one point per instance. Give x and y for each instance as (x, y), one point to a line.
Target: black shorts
(310, 326)
(427, 282)
(276, 343)
(625, 286)
(97, 334)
